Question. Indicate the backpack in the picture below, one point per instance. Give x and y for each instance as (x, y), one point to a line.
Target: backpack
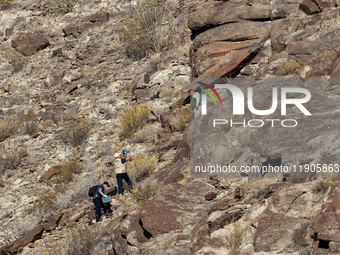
(93, 190)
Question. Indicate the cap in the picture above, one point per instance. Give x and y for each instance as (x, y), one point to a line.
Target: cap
(106, 184)
(117, 154)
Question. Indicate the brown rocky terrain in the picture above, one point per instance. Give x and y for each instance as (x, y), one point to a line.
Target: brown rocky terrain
(75, 74)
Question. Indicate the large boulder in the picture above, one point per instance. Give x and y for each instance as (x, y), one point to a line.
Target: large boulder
(29, 43)
(51, 221)
(211, 14)
(326, 224)
(222, 50)
(16, 246)
(286, 221)
(176, 209)
(233, 32)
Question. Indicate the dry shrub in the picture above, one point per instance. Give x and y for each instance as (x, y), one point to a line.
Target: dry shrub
(135, 40)
(181, 120)
(12, 159)
(321, 186)
(14, 58)
(234, 239)
(77, 240)
(140, 167)
(153, 65)
(145, 31)
(64, 6)
(5, 2)
(167, 94)
(133, 118)
(145, 136)
(143, 193)
(75, 192)
(30, 122)
(8, 127)
(23, 226)
(46, 201)
(75, 131)
(47, 123)
(290, 67)
(65, 174)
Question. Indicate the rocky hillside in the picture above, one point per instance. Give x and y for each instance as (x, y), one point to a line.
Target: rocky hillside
(82, 80)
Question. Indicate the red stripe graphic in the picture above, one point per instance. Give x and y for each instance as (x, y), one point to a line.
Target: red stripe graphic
(213, 90)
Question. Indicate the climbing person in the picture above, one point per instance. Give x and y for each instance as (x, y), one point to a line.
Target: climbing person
(195, 101)
(98, 202)
(121, 174)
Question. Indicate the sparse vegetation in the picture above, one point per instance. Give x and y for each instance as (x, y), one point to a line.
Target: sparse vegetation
(64, 6)
(41, 203)
(181, 120)
(30, 122)
(141, 167)
(5, 4)
(321, 186)
(65, 174)
(166, 242)
(143, 193)
(152, 65)
(144, 136)
(8, 127)
(14, 58)
(290, 67)
(12, 159)
(167, 94)
(234, 239)
(146, 31)
(46, 124)
(77, 240)
(325, 52)
(133, 118)
(75, 131)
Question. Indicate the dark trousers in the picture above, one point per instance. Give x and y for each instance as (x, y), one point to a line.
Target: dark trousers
(120, 178)
(98, 203)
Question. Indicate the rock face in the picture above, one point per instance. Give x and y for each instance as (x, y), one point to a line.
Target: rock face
(16, 246)
(49, 173)
(219, 51)
(285, 221)
(326, 226)
(29, 43)
(50, 222)
(178, 210)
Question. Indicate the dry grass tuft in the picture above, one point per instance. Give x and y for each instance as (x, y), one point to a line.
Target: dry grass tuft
(141, 167)
(30, 122)
(290, 67)
(181, 120)
(132, 119)
(234, 239)
(64, 6)
(143, 193)
(321, 186)
(145, 31)
(75, 131)
(14, 58)
(8, 127)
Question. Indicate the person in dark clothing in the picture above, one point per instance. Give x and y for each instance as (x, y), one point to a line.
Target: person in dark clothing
(120, 171)
(98, 202)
